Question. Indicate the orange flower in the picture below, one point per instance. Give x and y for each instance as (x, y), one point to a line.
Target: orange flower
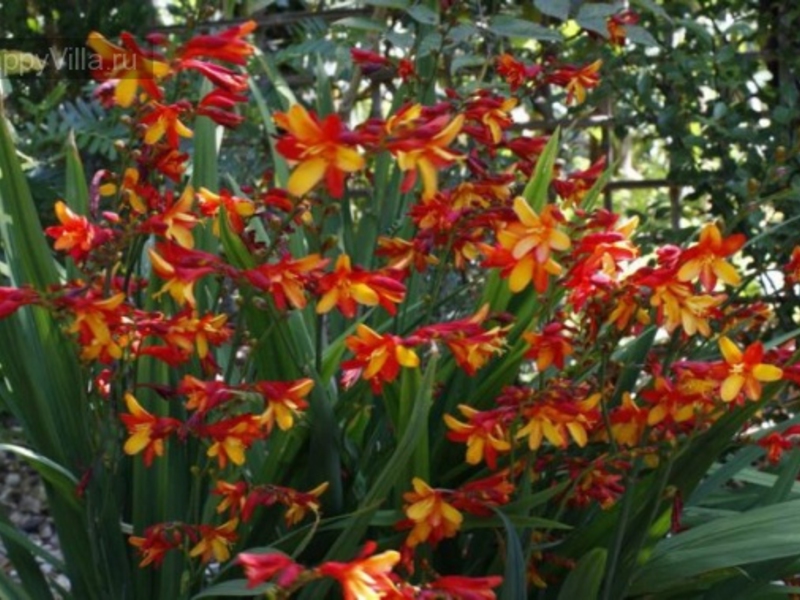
(471, 345)
(181, 268)
(424, 148)
(678, 304)
(226, 46)
(93, 321)
(323, 149)
(302, 502)
(187, 332)
(628, 422)
(12, 299)
(432, 517)
(706, 259)
(231, 437)
(577, 80)
(549, 347)
(530, 241)
(157, 541)
(215, 541)
(557, 421)
(260, 568)
(378, 358)
(284, 399)
(287, 279)
(367, 577)
(233, 496)
(129, 65)
(76, 235)
(147, 432)
(745, 370)
(402, 254)
(178, 220)
(164, 120)
(616, 26)
(347, 286)
(484, 434)
(236, 209)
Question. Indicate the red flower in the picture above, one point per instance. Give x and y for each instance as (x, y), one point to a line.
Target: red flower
(129, 66)
(367, 577)
(260, 568)
(76, 235)
(323, 150)
(11, 299)
(227, 46)
(348, 286)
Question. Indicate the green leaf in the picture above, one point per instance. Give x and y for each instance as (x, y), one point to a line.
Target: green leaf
(398, 4)
(76, 190)
(584, 580)
(640, 35)
(755, 536)
(514, 576)
(21, 556)
(513, 27)
(422, 14)
(554, 8)
(60, 478)
(344, 546)
(598, 187)
(535, 191)
(235, 588)
(361, 24)
(786, 481)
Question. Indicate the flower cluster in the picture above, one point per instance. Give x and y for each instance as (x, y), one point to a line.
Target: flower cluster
(571, 351)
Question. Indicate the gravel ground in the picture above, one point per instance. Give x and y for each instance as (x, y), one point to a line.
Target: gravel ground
(22, 498)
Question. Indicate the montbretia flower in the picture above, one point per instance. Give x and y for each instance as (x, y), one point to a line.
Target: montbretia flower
(432, 517)
(706, 259)
(576, 80)
(129, 66)
(515, 73)
(549, 347)
(156, 542)
(558, 421)
(231, 437)
(177, 219)
(12, 299)
(322, 150)
(76, 235)
(181, 268)
(96, 322)
(261, 568)
(472, 345)
(425, 148)
(485, 434)
(457, 586)
(348, 286)
(236, 209)
(744, 370)
(366, 577)
(616, 26)
(215, 542)
(283, 400)
(147, 432)
(287, 279)
(164, 120)
(378, 358)
(530, 241)
(301, 503)
(227, 46)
